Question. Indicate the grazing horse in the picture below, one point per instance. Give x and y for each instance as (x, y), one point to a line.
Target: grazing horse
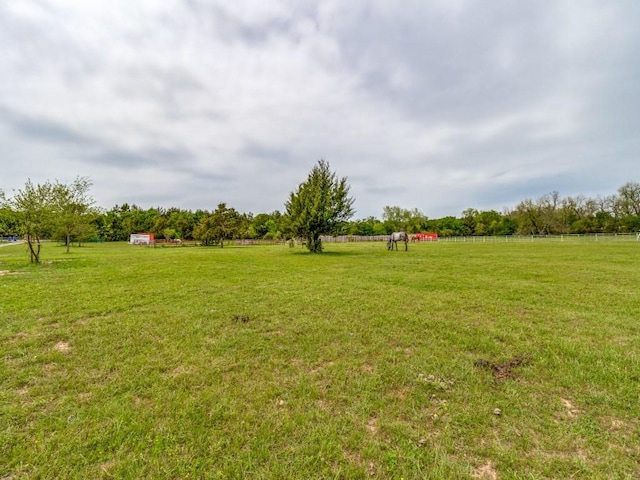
(398, 237)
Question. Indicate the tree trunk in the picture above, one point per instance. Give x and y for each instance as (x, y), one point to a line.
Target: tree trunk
(314, 243)
(34, 251)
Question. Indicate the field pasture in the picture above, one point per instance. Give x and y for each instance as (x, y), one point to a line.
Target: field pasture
(451, 360)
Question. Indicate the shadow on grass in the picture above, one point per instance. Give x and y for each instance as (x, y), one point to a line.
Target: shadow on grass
(329, 253)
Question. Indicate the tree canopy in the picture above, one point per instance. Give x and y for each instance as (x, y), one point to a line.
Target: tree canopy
(33, 207)
(223, 224)
(72, 210)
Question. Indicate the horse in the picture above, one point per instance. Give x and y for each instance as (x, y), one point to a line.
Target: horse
(398, 237)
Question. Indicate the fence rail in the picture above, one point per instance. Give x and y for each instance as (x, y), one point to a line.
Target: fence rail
(588, 237)
(583, 237)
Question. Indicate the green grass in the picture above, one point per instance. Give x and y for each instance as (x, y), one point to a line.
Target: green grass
(132, 362)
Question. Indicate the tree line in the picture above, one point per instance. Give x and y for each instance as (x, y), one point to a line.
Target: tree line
(320, 205)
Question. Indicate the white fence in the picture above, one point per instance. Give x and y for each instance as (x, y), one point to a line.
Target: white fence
(587, 237)
(355, 238)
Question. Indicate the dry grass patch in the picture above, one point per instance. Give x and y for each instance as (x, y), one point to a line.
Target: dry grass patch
(485, 472)
(62, 347)
(9, 272)
(367, 368)
(356, 459)
(323, 405)
(572, 411)
(372, 426)
(400, 393)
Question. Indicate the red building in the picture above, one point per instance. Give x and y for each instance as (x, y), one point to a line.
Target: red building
(425, 237)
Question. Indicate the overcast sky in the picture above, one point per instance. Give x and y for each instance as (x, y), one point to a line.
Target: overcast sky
(437, 105)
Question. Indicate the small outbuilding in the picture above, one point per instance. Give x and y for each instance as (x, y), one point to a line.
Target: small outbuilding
(141, 239)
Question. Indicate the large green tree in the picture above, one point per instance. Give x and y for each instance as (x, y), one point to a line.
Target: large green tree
(266, 225)
(398, 219)
(73, 210)
(223, 224)
(320, 206)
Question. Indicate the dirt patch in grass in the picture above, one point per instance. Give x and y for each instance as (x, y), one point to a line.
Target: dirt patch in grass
(366, 368)
(503, 371)
(400, 393)
(107, 466)
(572, 411)
(62, 347)
(617, 424)
(372, 426)
(9, 272)
(180, 371)
(356, 459)
(84, 396)
(571, 454)
(321, 367)
(485, 472)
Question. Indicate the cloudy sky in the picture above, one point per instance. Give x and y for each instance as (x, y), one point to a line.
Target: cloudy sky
(437, 105)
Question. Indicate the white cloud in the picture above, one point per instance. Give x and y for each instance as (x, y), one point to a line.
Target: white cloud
(434, 106)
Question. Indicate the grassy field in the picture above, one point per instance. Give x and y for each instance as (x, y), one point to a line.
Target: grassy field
(510, 360)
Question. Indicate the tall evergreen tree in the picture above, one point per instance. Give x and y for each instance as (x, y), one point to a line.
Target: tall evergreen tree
(320, 205)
